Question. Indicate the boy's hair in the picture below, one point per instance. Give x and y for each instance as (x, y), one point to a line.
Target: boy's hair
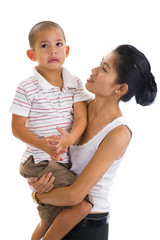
(42, 26)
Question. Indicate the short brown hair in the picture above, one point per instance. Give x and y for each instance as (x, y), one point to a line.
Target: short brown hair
(42, 26)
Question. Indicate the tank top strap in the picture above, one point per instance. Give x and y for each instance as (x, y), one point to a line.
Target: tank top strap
(109, 127)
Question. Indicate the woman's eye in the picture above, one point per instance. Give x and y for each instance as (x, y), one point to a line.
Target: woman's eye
(103, 68)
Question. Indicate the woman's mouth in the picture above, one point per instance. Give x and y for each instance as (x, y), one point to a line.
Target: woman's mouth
(90, 80)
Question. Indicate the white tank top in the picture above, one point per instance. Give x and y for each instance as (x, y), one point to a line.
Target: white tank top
(81, 155)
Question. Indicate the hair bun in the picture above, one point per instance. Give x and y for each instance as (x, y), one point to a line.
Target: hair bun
(146, 95)
(152, 82)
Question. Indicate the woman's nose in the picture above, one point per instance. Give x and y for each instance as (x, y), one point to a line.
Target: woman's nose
(94, 71)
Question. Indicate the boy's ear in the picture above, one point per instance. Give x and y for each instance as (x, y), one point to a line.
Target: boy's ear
(67, 50)
(31, 55)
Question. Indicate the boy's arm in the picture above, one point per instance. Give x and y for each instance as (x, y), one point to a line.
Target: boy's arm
(80, 120)
(20, 131)
(78, 127)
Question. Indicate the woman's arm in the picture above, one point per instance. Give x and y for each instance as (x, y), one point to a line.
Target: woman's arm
(112, 148)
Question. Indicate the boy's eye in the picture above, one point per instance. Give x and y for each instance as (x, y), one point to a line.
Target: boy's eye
(44, 45)
(59, 44)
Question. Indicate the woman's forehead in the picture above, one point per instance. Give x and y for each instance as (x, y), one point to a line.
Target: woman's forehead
(109, 59)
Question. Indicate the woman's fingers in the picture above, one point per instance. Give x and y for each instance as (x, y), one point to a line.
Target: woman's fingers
(44, 184)
(32, 180)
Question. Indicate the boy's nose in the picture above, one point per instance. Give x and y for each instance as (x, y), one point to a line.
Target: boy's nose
(53, 51)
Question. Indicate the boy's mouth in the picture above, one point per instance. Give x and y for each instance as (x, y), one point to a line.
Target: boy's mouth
(53, 60)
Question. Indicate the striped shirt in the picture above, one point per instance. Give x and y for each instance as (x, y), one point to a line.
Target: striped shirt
(47, 107)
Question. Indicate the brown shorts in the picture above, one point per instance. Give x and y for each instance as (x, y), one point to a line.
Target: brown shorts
(63, 177)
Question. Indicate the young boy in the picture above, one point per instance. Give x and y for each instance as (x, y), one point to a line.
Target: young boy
(51, 100)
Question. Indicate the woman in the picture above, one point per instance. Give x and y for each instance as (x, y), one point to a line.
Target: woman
(123, 73)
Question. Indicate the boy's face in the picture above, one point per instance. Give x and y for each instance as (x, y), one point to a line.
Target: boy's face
(50, 49)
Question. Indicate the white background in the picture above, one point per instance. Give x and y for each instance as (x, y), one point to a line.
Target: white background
(93, 28)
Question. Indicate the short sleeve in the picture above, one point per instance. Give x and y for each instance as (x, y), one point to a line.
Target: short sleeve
(80, 93)
(21, 104)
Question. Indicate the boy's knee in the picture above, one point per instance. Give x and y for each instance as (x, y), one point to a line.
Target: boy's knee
(33, 238)
(86, 207)
(89, 206)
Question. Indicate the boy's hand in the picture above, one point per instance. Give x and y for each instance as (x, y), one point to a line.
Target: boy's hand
(61, 142)
(65, 139)
(51, 149)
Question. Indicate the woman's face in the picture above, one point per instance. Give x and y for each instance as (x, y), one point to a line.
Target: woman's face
(102, 81)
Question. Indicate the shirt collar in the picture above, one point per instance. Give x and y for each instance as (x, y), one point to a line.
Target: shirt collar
(68, 80)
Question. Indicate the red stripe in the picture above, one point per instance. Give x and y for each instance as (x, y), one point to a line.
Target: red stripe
(40, 99)
(51, 108)
(50, 125)
(37, 150)
(38, 116)
(60, 98)
(31, 90)
(21, 101)
(78, 90)
(21, 89)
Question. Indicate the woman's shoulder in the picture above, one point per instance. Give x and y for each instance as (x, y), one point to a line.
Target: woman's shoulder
(122, 130)
(120, 135)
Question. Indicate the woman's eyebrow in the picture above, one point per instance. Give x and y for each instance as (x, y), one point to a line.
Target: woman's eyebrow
(105, 63)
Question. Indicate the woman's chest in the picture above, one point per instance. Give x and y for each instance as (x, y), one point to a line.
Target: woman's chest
(92, 130)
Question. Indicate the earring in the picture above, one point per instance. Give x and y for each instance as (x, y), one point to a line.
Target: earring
(116, 91)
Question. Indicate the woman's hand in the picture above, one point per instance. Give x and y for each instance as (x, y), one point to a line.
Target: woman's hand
(44, 184)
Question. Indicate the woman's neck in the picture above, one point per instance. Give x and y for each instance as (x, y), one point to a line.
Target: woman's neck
(103, 110)
(100, 113)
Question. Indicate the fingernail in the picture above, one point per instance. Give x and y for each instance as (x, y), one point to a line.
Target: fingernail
(52, 179)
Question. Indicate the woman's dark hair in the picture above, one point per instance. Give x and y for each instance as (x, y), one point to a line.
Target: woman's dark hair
(134, 69)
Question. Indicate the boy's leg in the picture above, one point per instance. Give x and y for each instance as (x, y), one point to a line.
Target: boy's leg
(40, 230)
(66, 220)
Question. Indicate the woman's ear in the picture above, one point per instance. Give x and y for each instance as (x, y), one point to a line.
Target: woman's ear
(67, 50)
(123, 89)
(31, 55)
